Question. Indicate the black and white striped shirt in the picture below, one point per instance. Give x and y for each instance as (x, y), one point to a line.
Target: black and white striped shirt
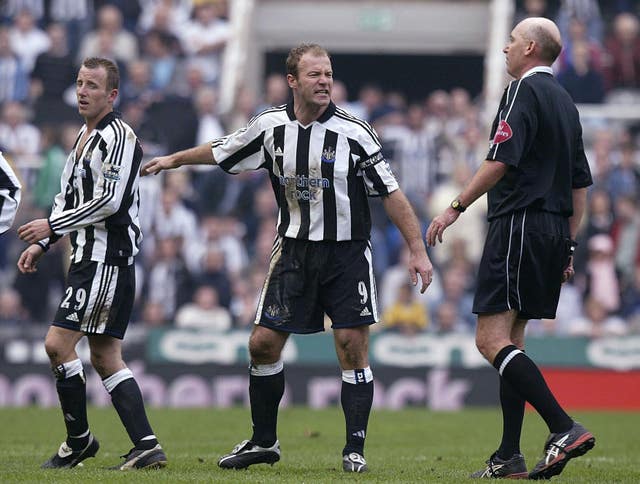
(321, 174)
(98, 202)
(9, 195)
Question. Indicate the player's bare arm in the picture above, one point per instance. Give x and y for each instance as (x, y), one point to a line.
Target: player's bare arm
(198, 155)
(35, 230)
(402, 215)
(27, 263)
(489, 173)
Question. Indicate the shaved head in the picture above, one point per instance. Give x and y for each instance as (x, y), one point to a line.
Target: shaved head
(545, 34)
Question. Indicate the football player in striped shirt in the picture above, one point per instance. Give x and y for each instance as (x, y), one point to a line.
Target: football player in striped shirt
(323, 163)
(98, 207)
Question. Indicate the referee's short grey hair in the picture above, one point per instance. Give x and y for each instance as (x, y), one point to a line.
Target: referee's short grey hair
(295, 54)
(113, 73)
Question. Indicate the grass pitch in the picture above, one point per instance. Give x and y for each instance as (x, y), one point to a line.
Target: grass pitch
(408, 446)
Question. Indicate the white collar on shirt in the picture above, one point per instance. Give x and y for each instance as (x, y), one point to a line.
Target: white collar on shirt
(533, 70)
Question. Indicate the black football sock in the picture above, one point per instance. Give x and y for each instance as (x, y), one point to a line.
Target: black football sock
(266, 387)
(72, 392)
(127, 399)
(525, 378)
(512, 417)
(356, 399)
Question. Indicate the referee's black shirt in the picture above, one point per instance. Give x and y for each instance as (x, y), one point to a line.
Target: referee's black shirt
(537, 133)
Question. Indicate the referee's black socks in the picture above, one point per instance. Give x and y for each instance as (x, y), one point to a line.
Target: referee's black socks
(525, 377)
(72, 392)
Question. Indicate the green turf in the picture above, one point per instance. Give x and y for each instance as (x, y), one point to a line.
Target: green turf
(408, 446)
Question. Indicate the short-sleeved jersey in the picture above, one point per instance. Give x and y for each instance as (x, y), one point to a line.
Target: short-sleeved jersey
(321, 173)
(98, 202)
(537, 133)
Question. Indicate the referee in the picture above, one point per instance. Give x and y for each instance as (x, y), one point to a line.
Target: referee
(322, 163)
(536, 175)
(10, 190)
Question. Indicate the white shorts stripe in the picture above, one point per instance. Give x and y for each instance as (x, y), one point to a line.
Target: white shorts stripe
(275, 257)
(524, 217)
(372, 282)
(507, 261)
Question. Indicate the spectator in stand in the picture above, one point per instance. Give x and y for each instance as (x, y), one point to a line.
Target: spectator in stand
(533, 8)
(17, 136)
(601, 280)
(243, 302)
(276, 92)
(27, 40)
(11, 310)
(370, 98)
(455, 289)
(209, 125)
(597, 322)
(205, 37)
(55, 148)
(213, 272)
(204, 312)
(169, 282)
(122, 44)
(172, 15)
(599, 221)
(630, 307)
(438, 106)
(587, 12)
(447, 320)
(580, 78)
(76, 17)
(624, 178)
(410, 149)
(153, 315)
(13, 75)
(9, 9)
(622, 60)
(578, 35)
(159, 52)
(53, 75)
(626, 238)
(406, 315)
(137, 87)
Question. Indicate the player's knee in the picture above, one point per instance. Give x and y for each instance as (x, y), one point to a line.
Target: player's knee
(262, 351)
(54, 351)
(484, 347)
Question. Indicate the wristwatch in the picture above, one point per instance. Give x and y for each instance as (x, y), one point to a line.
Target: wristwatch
(456, 205)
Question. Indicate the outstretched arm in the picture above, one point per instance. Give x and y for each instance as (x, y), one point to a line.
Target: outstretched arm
(489, 173)
(198, 155)
(402, 215)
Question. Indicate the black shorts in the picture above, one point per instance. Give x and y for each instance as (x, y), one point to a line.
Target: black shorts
(98, 299)
(307, 279)
(521, 268)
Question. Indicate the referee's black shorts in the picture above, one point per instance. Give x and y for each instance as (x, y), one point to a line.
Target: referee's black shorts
(521, 268)
(307, 279)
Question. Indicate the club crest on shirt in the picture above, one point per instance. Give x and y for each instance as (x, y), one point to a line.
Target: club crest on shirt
(328, 155)
(111, 172)
(503, 133)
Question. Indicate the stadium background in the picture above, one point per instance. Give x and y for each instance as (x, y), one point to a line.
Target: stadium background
(428, 76)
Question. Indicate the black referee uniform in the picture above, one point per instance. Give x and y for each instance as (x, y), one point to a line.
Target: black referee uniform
(98, 207)
(321, 175)
(537, 133)
(9, 195)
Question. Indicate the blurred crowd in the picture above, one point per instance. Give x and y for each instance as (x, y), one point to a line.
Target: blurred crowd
(208, 235)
